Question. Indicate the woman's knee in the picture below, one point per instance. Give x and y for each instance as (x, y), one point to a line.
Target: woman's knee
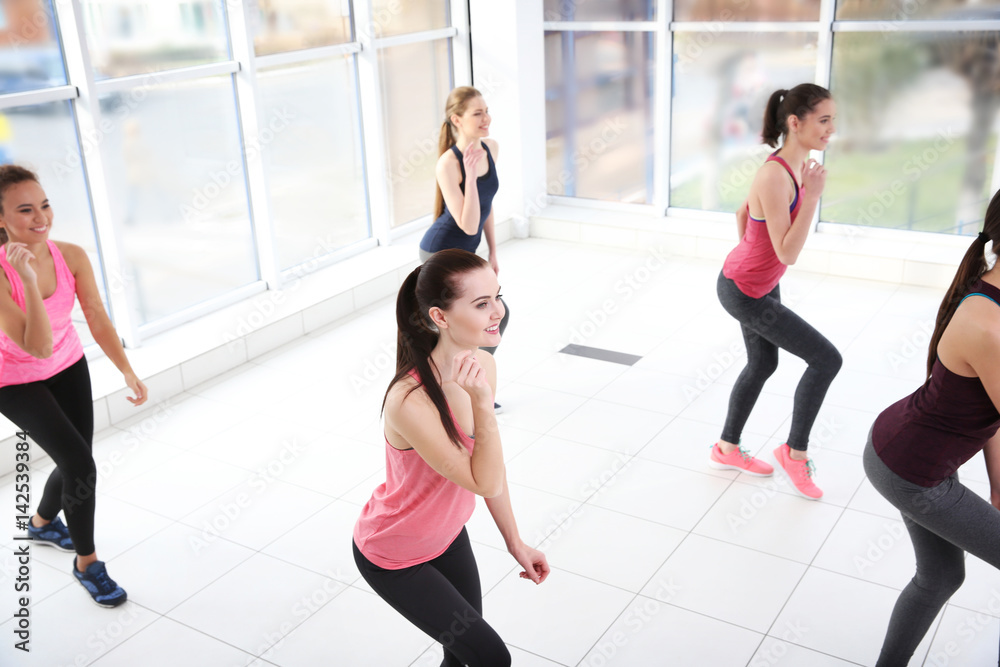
(942, 582)
(828, 362)
(764, 363)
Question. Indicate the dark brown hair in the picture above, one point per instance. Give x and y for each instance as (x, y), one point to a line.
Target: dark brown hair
(971, 269)
(799, 102)
(12, 174)
(457, 101)
(435, 283)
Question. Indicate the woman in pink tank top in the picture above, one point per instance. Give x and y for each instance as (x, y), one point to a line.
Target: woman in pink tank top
(773, 225)
(442, 450)
(44, 381)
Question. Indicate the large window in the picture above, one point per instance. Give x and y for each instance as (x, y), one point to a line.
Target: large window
(916, 86)
(221, 145)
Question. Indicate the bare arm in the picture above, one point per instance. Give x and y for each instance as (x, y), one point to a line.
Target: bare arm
(772, 188)
(416, 421)
(463, 207)
(30, 328)
(97, 318)
(741, 220)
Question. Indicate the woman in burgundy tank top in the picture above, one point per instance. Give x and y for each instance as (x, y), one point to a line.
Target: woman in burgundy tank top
(773, 225)
(917, 445)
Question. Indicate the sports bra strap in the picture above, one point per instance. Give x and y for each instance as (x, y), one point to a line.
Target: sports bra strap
(978, 294)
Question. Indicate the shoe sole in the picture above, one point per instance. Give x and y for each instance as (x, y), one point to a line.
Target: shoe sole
(725, 466)
(46, 543)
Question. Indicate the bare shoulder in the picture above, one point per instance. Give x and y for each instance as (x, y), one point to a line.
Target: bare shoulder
(486, 360)
(493, 146)
(405, 398)
(74, 255)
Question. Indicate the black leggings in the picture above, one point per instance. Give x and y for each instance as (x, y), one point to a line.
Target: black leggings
(58, 414)
(442, 597)
(767, 325)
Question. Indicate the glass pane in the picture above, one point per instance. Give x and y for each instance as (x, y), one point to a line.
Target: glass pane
(744, 10)
(599, 92)
(178, 192)
(135, 36)
(902, 10)
(30, 57)
(290, 25)
(317, 159)
(416, 80)
(918, 130)
(721, 85)
(43, 138)
(617, 10)
(397, 17)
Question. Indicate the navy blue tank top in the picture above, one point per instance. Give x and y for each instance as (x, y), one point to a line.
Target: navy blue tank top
(445, 232)
(925, 437)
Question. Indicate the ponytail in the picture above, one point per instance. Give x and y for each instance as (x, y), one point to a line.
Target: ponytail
(445, 141)
(435, 283)
(458, 100)
(773, 127)
(798, 101)
(971, 269)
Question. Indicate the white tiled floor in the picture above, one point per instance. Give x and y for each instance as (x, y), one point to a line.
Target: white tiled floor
(227, 514)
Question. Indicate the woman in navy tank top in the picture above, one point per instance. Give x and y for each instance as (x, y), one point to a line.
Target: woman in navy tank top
(463, 216)
(773, 225)
(917, 445)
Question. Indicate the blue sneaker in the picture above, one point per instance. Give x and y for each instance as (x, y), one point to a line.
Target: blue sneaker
(101, 587)
(53, 534)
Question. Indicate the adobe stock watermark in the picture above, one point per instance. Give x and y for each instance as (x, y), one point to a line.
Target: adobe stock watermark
(611, 130)
(110, 123)
(625, 288)
(220, 180)
(792, 633)
(913, 346)
(971, 626)
(265, 306)
(913, 168)
(878, 548)
(300, 610)
(636, 619)
(230, 511)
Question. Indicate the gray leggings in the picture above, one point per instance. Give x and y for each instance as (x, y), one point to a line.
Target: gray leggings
(424, 256)
(944, 522)
(767, 325)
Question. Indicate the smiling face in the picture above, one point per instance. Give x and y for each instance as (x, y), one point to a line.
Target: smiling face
(473, 318)
(25, 212)
(474, 123)
(815, 129)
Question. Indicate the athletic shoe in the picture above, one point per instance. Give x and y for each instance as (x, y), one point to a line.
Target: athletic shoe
(738, 459)
(799, 472)
(53, 534)
(101, 587)
(497, 408)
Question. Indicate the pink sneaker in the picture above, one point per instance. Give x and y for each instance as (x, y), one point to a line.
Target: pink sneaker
(799, 472)
(738, 459)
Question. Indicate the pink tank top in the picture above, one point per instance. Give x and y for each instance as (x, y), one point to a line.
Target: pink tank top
(415, 514)
(753, 265)
(19, 367)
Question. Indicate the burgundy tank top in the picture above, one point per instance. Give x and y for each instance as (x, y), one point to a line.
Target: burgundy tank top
(925, 437)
